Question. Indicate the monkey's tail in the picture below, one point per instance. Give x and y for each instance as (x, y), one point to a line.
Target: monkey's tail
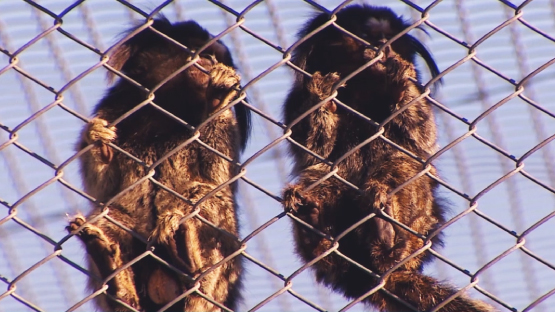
(424, 293)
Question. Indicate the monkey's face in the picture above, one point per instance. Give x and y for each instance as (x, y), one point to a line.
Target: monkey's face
(336, 51)
(149, 58)
(162, 58)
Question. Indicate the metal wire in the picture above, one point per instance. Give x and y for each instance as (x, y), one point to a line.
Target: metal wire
(237, 21)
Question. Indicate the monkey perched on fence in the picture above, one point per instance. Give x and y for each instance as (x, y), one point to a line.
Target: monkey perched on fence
(191, 170)
(376, 168)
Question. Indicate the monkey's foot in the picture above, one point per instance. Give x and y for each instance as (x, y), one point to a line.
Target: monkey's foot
(322, 86)
(98, 133)
(106, 256)
(220, 88)
(90, 233)
(166, 226)
(376, 195)
(173, 236)
(301, 205)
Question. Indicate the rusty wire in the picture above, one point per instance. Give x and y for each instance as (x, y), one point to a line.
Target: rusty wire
(236, 21)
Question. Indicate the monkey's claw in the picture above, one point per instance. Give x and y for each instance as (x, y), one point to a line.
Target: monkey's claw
(98, 133)
(220, 89)
(301, 205)
(87, 233)
(75, 224)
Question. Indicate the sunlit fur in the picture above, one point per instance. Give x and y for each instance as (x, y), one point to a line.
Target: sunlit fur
(192, 171)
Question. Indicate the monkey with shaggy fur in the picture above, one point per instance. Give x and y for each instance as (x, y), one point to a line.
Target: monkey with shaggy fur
(375, 168)
(187, 168)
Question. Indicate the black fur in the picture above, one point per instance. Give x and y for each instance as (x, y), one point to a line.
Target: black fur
(376, 168)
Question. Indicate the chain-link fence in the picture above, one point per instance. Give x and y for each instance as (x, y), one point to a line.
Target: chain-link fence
(494, 112)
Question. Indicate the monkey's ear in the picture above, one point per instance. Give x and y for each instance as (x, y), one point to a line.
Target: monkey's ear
(117, 59)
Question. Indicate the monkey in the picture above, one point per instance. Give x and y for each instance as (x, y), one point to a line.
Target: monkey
(144, 195)
(334, 134)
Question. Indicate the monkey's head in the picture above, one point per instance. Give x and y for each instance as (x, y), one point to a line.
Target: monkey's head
(333, 50)
(149, 58)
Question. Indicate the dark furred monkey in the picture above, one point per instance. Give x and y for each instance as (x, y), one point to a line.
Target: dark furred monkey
(376, 168)
(191, 171)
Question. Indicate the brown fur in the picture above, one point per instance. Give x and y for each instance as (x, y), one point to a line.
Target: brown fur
(376, 168)
(192, 171)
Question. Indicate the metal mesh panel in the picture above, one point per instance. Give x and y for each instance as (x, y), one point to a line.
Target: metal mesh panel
(494, 112)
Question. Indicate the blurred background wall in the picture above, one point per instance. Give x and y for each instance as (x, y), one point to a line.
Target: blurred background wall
(514, 128)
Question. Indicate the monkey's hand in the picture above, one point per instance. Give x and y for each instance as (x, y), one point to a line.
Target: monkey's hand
(97, 132)
(220, 90)
(302, 205)
(322, 87)
(398, 73)
(106, 256)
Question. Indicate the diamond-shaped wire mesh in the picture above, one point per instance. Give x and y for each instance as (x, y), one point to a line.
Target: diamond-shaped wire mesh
(494, 112)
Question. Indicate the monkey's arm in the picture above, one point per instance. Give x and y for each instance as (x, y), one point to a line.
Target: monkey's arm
(96, 132)
(99, 175)
(318, 130)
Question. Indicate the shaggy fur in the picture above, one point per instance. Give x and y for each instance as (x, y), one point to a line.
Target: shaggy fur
(191, 171)
(376, 168)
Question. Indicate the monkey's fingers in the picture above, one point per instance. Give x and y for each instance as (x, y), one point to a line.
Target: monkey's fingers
(292, 198)
(97, 130)
(75, 223)
(99, 134)
(302, 205)
(87, 233)
(106, 153)
(309, 214)
(220, 89)
(180, 256)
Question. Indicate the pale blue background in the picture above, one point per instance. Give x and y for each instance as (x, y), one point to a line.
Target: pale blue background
(470, 166)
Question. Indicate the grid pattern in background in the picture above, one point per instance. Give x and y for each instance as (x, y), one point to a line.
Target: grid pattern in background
(498, 55)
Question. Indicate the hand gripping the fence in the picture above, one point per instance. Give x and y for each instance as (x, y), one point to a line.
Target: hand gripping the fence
(362, 178)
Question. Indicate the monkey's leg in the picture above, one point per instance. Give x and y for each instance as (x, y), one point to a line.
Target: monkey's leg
(424, 293)
(389, 244)
(315, 207)
(171, 211)
(411, 205)
(106, 256)
(97, 133)
(194, 246)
